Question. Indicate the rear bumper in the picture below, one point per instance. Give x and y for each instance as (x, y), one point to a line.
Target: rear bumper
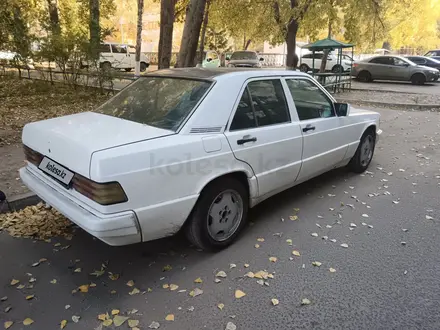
(114, 229)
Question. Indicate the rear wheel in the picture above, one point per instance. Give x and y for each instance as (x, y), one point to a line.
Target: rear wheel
(365, 76)
(337, 68)
(106, 66)
(219, 215)
(418, 79)
(304, 68)
(364, 153)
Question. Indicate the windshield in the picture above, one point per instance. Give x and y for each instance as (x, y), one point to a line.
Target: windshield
(244, 56)
(157, 101)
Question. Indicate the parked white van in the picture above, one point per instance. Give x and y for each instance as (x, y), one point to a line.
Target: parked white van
(120, 56)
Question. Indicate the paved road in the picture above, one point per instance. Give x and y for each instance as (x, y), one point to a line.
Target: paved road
(378, 284)
(400, 87)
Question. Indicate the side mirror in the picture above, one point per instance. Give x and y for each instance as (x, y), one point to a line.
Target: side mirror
(228, 58)
(261, 59)
(342, 109)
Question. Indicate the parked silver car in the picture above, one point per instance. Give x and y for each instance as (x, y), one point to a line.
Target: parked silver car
(393, 68)
(245, 59)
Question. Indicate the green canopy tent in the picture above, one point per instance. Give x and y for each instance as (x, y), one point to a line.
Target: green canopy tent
(331, 45)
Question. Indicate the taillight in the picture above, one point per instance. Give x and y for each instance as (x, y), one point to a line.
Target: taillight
(102, 193)
(32, 156)
(355, 65)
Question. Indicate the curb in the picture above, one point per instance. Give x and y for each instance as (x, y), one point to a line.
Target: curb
(406, 106)
(19, 202)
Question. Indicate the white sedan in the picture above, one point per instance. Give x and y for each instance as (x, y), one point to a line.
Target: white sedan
(192, 149)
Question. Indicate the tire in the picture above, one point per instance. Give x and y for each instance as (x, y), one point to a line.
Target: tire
(365, 76)
(304, 68)
(127, 69)
(200, 228)
(418, 79)
(359, 163)
(337, 69)
(143, 66)
(106, 66)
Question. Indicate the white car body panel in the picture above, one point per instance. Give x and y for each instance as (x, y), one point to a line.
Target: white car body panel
(331, 62)
(163, 172)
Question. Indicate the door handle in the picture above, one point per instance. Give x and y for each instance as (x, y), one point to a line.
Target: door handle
(309, 128)
(245, 139)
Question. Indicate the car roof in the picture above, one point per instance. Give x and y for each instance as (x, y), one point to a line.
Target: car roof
(214, 74)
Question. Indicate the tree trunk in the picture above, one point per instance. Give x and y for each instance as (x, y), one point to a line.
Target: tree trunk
(326, 51)
(292, 57)
(191, 33)
(246, 45)
(140, 12)
(95, 29)
(54, 18)
(202, 38)
(167, 11)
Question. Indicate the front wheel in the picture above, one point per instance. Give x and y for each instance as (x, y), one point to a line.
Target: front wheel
(418, 79)
(364, 153)
(143, 66)
(219, 215)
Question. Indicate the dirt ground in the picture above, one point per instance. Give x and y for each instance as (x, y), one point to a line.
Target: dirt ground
(24, 101)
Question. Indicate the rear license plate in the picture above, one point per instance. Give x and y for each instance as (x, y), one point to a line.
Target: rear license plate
(56, 170)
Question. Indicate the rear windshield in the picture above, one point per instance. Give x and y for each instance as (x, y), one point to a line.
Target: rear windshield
(157, 101)
(244, 56)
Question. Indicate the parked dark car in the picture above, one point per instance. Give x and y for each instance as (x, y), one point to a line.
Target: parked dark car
(425, 61)
(435, 54)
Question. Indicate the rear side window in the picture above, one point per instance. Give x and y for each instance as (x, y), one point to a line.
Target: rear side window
(382, 60)
(157, 101)
(104, 48)
(263, 103)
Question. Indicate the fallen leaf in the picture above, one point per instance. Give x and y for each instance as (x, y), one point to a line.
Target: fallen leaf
(113, 291)
(166, 286)
(28, 321)
(21, 286)
(173, 287)
(273, 259)
(119, 320)
(4, 298)
(167, 268)
(217, 280)
(198, 280)
(154, 325)
(232, 266)
(250, 275)
(316, 263)
(332, 270)
(134, 291)
(289, 241)
(84, 288)
(63, 324)
(75, 318)
(221, 274)
(30, 297)
(191, 309)
(115, 311)
(7, 309)
(8, 324)
(107, 322)
(102, 317)
(296, 253)
(305, 301)
(35, 264)
(257, 246)
(246, 265)
(428, 217)
(293, 217)
(353, 225)
(239, 294)
(333, 240)
(113, 277)
(92, 285)
(169, 317)
(365, 215)
(54, 281)
(231, 326)
(261, 282)
(98, 273)
(196, 292)
(275, 301)
(221, 306)
(260, 239)
(314, 234)
(67, 307)
(77, 270)
(130, 283)
(14, 281)
(133, 323)
(344, 245)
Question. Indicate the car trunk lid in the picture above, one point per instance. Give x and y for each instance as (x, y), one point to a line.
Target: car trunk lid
(71, 140)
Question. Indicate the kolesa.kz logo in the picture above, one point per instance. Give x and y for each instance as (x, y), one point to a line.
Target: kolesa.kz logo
(56, 171)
